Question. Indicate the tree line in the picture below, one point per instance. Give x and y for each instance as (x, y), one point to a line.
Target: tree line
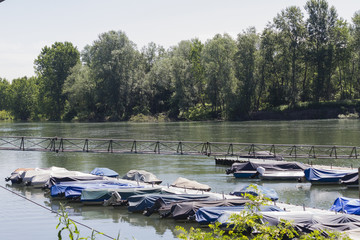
(294, 59)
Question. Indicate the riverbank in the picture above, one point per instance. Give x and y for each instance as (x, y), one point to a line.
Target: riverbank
(311, 110)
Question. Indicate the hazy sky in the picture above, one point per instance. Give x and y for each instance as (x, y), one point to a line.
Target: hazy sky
(26, 26)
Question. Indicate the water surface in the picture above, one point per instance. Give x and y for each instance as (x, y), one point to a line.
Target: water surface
(18, 216)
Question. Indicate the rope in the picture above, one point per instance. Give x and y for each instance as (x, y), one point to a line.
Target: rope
(52, 211)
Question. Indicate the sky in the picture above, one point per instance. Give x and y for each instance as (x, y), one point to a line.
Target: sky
(28, 26)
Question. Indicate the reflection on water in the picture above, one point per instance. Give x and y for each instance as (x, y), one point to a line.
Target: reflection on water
(40, 224)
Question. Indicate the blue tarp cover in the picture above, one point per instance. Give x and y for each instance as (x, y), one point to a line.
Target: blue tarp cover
(250, 189)
(104, 172)
(347, 205)
(74, 189)
(211, 214)
(325, 175)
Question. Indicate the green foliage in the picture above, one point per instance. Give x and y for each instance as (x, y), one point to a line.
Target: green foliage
(5, 115)
(248, 224)
(24, 93)
(199, 112)
(53, 67)
(66, 225)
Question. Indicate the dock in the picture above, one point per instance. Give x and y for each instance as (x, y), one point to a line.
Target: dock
(220, 150)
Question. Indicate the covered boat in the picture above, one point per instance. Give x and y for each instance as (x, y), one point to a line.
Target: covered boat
(140, 203)
(255, 190)
(308, 221)
(141, 176)
(187, 209)
(273, 171)
(102, 194)
(190, 184)
(206, 215)
(346, 205)
(104, 172)
(326, 176)
(73, 189)
(72, 177)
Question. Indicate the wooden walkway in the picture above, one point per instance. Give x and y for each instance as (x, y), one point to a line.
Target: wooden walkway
(96, 145)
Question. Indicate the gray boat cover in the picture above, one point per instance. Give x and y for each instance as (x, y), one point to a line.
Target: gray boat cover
(190, 184)
(188, 209)
(70, 178)
(142, 176)
(255, 190)
(307, 222)
(16, 175)
(252, 166)
(140, 203)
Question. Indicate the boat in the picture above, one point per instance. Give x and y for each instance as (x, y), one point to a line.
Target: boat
(325, 176)
(346, 205)
(16, 176)
(104, 172)
(73, 189)
(185, 183)
(187, 209)
(256, 190)
(92, 196)
(268, 171)
(142, 176)
(206, 215)
(140, 203)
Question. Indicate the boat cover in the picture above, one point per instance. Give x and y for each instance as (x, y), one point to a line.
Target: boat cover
(255, 190)
(350, 179)
(104, 172)
(190, 184)
(142, 176)
(252, 166)
(95, 195)
(346, 205)
(308, 222)
(206, 215)
(326, 175)
(187, 209)
(139, 203)
(72, 178)
(74, 189)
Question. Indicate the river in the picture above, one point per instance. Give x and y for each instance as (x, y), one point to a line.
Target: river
(19, 217)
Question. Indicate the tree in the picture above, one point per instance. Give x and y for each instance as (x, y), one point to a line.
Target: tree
(320, 27)
(245, 59)
(291, 28)
(4, 94)
(53, 67)
(79, 87)
(114, 62)
(218, 59)
(24, 94)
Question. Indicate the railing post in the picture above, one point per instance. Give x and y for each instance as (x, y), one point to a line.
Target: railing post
(209, 148)
(230, 149)
(86, 146)
(61, 145)
(179, 147)
(273, 149)
(110, 147)
(312, 149)
(157, 146)
(22, 144)
(133, 147)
